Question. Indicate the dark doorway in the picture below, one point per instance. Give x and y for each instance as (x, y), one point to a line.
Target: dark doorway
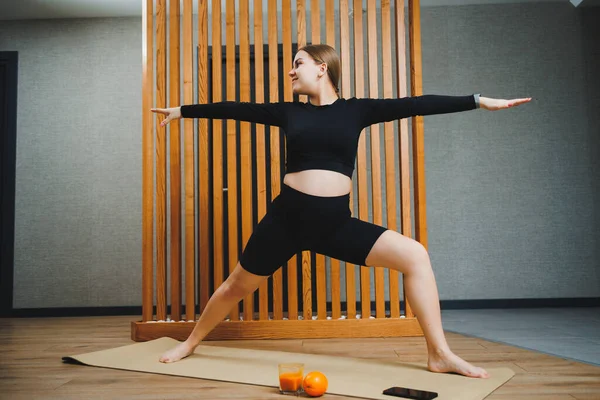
(8, 141)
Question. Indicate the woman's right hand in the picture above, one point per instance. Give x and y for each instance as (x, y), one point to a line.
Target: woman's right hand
(171, 114)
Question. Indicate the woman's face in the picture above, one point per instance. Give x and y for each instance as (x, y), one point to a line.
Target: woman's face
(305, 73)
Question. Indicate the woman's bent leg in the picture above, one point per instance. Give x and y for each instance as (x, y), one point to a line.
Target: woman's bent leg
(364, 243)
(396, 251)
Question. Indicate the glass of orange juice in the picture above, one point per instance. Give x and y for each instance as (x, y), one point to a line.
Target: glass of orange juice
(290, 378)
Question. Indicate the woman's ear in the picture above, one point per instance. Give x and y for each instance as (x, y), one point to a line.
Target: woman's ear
(323, 69)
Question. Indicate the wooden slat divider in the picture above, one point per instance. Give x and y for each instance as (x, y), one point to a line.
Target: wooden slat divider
(175, 164)
(172, 161)
(161, 163)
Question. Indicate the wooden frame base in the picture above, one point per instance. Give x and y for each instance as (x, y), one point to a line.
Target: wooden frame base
(282, 329)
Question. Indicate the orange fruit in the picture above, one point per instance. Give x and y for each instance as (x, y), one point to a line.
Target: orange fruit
(314, 383)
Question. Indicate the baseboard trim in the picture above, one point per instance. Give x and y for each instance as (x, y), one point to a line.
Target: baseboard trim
(520, 303)
(444, 304)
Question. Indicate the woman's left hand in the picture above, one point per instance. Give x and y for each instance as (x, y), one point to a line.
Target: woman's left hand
(499, 104)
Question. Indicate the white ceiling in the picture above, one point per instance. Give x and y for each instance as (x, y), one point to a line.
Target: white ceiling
(49, 9)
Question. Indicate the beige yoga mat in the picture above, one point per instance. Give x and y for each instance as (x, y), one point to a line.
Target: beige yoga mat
(364, 378)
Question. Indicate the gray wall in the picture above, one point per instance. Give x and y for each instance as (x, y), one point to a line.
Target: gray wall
(78, 173)
(512, 196)
(591, 29)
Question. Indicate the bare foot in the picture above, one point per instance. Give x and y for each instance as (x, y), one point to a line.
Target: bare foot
(182, 350)
(450, 362)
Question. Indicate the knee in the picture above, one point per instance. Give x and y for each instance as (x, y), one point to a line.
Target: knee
(418, 258)
(420, 252)
(232, 290)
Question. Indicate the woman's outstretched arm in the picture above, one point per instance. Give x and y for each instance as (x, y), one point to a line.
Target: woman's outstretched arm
(384, 110)
(261, 113)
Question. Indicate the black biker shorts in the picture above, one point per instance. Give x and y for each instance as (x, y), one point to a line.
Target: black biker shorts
(298, 221)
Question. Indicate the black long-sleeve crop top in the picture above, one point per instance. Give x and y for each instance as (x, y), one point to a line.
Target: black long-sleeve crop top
(326, 137)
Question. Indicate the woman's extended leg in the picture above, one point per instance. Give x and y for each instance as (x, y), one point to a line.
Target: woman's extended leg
(239, 284)
(269, 247)
(396, 251)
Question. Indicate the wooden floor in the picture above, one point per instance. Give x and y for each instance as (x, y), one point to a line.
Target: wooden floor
(31, 366)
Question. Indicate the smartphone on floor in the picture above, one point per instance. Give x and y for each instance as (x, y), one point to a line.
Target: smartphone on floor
(410, 393)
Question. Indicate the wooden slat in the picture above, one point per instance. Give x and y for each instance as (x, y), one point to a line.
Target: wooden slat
(301, 40)
(321, 283)
(403, 130)
(286, 65)
(274, 142)
(335, 279)
(245, 145)
(416, 87)
(217, 138)
(261, 185)
(321, 278)
(375, 149)
(231, 168)
(418, 140)
(288, 57)
(390, 168)
(315, 30)
(330, 23)
(307, 309)
(315, 21)
(147, 161)
(361, 168)
(335, 264)
(203, 154)
(161, 164)
(306, 285)
(301, 34)
(175, 164)
(346, 93)
(306, 258)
